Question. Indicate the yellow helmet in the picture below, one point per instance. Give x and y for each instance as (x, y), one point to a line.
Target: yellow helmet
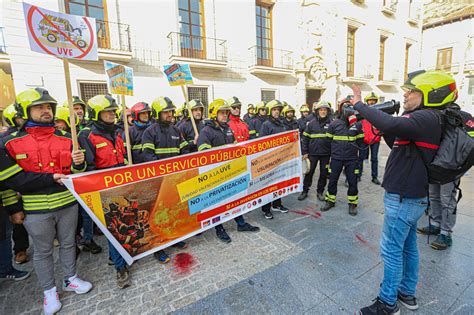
(62, 113)
(234, 101)
(286, 109)
(438, 87)
(100, 103)
(273, 104)
(161, 104)
(195, 104)
(371, 96)
(259, 106)
(322, 104)
(75, 101)
(10, 113)
(304, 108)
(219, 104)
(33, 97)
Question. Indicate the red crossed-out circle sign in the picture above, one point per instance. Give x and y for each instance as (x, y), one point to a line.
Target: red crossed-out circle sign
(35, 10)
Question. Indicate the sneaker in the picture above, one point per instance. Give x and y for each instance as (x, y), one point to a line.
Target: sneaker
(75, 284)
(380, 308)
(408, 301)
(91, 246)
(223, 236)
(268, 215)
(110, 262)
(246, 227)
(14, 274)
(21, 257)
(303, 196)
(352, 209)
(162, 257)
(181, 245)
(123, 278)
(328, 205)
(429, 230)
(280, 208)
(376, 181)
(51, 303)
(442, 242)
(321, 197)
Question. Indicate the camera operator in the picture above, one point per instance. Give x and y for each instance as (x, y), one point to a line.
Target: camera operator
(414, 138)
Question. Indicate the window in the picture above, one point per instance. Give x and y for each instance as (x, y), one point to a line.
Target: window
(382, 57)
(88, 90)
(191, 28)
(96, 9)
(443, 61)
(199, 93)
(264, 35)
(267, 95)
(407, 51)
(350, 51)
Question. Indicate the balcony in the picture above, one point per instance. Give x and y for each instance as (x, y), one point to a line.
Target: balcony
(414, 16)
(113, 40)
(361, 77)
(269, 61)
(4, 58)
(390, 7)
(197, 51)
(389, 79)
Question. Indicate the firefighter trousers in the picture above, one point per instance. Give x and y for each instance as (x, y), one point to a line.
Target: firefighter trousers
(351, 171)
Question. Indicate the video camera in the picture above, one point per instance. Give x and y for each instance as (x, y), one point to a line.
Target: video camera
(389, 107)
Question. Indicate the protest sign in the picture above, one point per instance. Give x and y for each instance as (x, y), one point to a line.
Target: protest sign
(119, 78)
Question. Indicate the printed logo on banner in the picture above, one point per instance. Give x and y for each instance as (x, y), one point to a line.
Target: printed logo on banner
(236, 211)
(206, 223)
(216, 219)
(59, 34)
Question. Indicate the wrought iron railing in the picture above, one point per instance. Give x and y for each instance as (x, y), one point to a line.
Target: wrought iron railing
(3, 46)
(190, 46)
(269, 57)
(113, 36)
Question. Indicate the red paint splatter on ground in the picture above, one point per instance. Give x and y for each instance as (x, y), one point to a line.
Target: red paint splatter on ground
(361, 239)
(314, 215)
(183, 263)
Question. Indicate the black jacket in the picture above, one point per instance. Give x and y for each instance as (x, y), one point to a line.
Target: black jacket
(187, 130)
(315, 140)
(405, 172)
(255, 125)
(162, 140)
(247, 118)
(345, 140)
(290, 125)
(136, 134)
(270, 127)
(213, 135)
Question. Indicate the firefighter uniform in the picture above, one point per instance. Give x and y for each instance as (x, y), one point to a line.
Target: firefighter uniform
(249, 116)
(186, 126)
(257, 121)
(239, 128)
(162, 140)
(137, 129)
(345, 142)
(289, 123)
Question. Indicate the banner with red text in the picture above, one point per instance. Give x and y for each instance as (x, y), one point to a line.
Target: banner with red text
(147, 207)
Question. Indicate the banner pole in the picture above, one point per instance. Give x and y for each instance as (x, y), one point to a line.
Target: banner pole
(72, 115)
(189, 110)
(127, 135)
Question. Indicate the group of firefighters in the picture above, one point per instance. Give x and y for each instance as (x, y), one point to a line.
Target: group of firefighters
(36, 154)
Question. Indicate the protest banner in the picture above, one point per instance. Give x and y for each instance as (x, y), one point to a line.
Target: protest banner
(65, 36)
(120, 81)
(147, 207)
(180, 75)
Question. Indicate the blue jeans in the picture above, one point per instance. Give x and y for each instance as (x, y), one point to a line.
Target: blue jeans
(87, 225)
(398, 246)
(118, 260)
(5, 243)
(374, 160)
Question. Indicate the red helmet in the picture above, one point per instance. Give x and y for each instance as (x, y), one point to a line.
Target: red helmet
(138, 108)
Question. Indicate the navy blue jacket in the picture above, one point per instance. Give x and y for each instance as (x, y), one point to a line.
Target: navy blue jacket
(290, 125)
(255, 125)
(162, 140)
(187, 130)
(315, 140)
(214, 135)
(270, 127)
(345, 140)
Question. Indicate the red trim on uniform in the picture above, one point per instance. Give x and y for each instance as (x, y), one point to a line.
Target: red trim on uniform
(418, 143)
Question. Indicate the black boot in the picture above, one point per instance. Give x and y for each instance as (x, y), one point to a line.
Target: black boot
(352, 209)
(328, 205)
(321, 197)
(303, 195)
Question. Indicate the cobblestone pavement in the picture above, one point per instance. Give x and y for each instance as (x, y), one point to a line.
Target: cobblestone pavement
(303, 262)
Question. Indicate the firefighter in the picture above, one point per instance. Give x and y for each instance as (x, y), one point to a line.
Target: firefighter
(317, 147)
(217, 133)
(162, 140)
(38, 147)
(61, 119)
(141, 119)
(272, 126)
(239, 128)
(104, 148)
(79, 107)
(181, 114)
(13, 120)
(186, 126)
(371, 142)
(289, 119)
(346, 138)
(258, 120)
(250, 114)
(304, 111)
